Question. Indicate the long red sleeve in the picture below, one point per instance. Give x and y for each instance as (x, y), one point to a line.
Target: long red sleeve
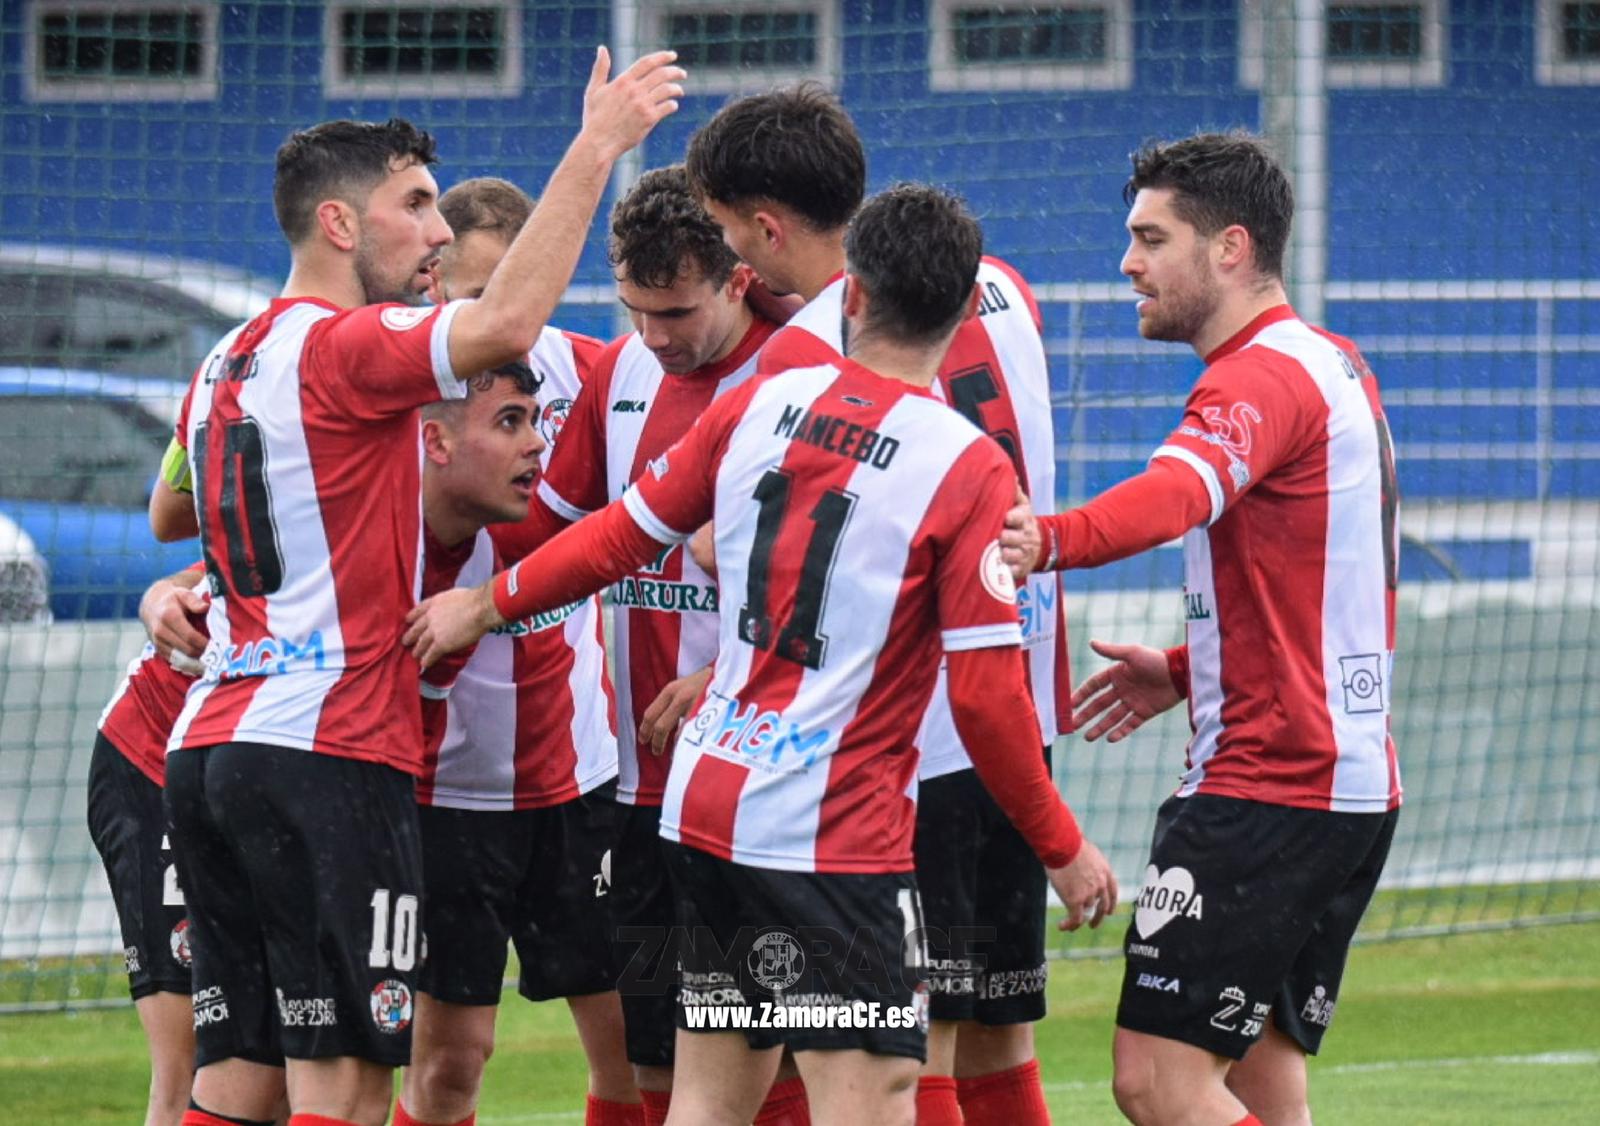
(994, 716)
(1158, 505)
(586, 557)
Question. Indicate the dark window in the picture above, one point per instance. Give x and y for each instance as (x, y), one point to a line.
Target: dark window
(413, 40)
(1374, 32)
(67, 449)
(1580, 32)
(1056, 34)
(152, 43)
(722, 40)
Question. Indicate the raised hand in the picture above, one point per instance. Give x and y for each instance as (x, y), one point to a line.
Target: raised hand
(1136, 688)
(450, 621)
(617, 115)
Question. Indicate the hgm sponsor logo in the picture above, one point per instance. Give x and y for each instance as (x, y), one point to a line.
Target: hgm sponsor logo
(764, 738)
(267, 656)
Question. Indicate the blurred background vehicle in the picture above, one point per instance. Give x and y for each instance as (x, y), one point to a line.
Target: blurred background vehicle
(106, 310)
(79, 451)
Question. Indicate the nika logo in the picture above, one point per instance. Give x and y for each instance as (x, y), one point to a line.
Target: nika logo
(1164, 897)
(391, 1005)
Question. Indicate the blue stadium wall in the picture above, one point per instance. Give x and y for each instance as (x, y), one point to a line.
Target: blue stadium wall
(1489, 176)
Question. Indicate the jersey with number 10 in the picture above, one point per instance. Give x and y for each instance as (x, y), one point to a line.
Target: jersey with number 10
(857, 522)
(996, 375)
(301, 428)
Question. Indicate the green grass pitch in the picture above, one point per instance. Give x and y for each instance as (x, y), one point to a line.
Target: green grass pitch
(1480, 1028)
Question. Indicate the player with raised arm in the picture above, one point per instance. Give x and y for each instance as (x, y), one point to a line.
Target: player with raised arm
(783, 172)
(1280, 479)
(874, 530)
(515, 796)
(290, 772)
(695, 340)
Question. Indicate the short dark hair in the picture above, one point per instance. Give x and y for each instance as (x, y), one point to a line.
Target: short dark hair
(659, 227)
(795, 146)
(486, 203)
(915, 249)
(526, 379)
(340, 159)
(1219, 180)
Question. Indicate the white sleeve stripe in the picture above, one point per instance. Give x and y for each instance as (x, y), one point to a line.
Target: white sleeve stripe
(648, 521)
(1208, 475)
(439, 345)
(981, 637)
(558, 503)
(433, 691)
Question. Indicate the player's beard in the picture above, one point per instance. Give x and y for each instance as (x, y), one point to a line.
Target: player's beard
(1182, 310)
(379, 285)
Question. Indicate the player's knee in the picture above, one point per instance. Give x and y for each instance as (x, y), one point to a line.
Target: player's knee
(454, 1069)
(1135, 1090)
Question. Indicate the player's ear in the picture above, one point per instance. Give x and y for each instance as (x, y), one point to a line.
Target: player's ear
(854, 299)
(436, 440)
(772, 230)
(1233, 248)
(339, 223)
(738, 283)
(974, 299)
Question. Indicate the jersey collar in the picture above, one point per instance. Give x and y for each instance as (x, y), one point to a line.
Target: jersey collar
(1248, 332)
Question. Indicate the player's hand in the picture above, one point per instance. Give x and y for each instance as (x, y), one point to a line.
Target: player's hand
(658, 728)
(169, 613)
(450, 621)
(1136, 688)
(703, 549)
(617, 115)
(1019, 539)
(764, 303)
(1087, 888)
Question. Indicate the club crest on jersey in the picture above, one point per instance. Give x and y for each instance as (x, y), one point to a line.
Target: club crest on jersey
(399, 318)
(996, 575)
(178, 943)
(658, 467)
(391, 1005)
(552, 418)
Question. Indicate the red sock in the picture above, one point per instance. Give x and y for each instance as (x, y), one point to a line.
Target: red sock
(194, 1116)
(936, 1101)
(1012, 1097)
(655, 1107)
(319, 1120)
(603, 1112)
(786, 1105)
(1248, 1120)
(402, 1117)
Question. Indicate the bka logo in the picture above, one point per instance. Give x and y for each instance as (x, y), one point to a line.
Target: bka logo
(1164, 897)
(775, 960)
(629, 406)
(391, 1005)
(1159, 984)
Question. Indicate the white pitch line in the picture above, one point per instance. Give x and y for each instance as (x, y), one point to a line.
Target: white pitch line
(1539, 1059)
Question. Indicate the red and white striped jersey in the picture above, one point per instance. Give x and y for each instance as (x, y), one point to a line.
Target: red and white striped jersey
(857, 523)
(665, 625)
(138, 718)
(1289, 592)
(528, 720)
(302, 432)
(997, 376)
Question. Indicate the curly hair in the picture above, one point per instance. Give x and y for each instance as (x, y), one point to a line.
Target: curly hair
(915, 250)
(659, 227)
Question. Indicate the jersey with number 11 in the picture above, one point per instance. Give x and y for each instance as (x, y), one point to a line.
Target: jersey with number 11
(301, 429)
(856, 522)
